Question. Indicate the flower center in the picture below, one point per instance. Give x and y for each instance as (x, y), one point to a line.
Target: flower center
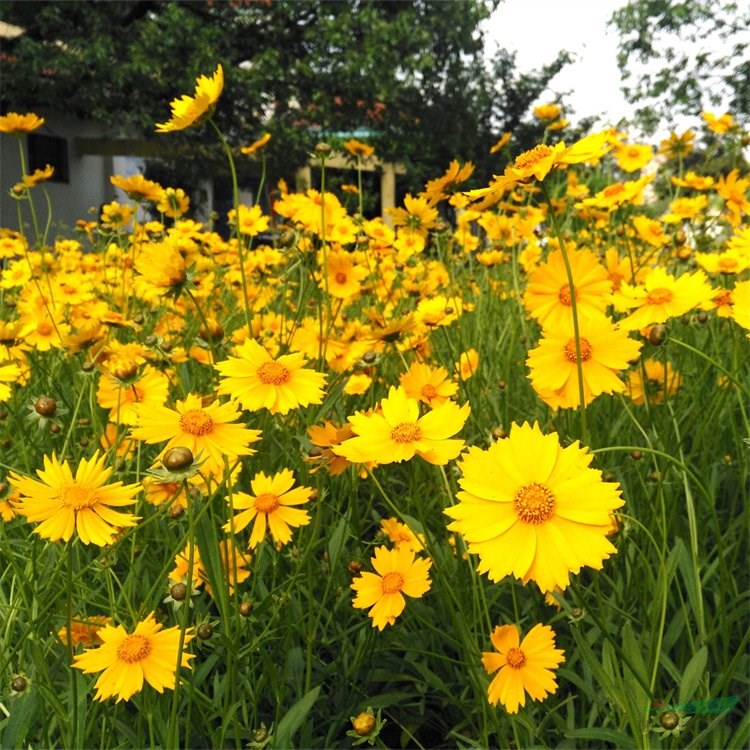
(340, 277)
(44, 328)
(659, 296)
(134, 648)
(196, 422)
(529, 159)
(75, 496)
(429, 390)
(515, 658)
(723, 298)
(273, 373)
(570, 350)
(728, 264)
(406, 432)
(266, 503)
(613, 190)
(564, 295)
(392, 582)
(534, 503)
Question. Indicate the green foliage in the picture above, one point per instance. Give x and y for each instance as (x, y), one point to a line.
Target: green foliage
(668, 70)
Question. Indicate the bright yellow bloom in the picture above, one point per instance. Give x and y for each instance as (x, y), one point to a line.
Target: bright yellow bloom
(121, 396)
(661, 296)
(615, 195)
(741, 307)
(190, 110)
(137, 187)
(126, 660)
(539, 161)
(501, 142)
(251, 221)
(634, 156)
(652, 380)
(357, 148)
(547, 111)
(357, 384)
(694, 181)
(418, 215)
(533, 509)
(399, 433)
(210, 431)
(401, 535)
(173, 202)
(650, 231)
(85, 631)
(525, 666)
(431, 385)
(468, 364)
(344, 274)
(677, 146)
(548, 297)
(32, 180)
(233, 561)
(9, 373)
(605, 351)
(732, 189)
(15, 124)
(324, 437)
(256, 145)
(271, 505)
(258, 381)
(721, 124)
(397, 573)
(732, 261)
(65, 504)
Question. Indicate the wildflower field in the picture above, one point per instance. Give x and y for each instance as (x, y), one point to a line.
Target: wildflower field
(473, 474)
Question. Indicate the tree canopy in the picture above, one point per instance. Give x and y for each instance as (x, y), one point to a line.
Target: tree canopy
(412, 74)
(684, 56)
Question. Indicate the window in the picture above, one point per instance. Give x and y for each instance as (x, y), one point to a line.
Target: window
(49, 149)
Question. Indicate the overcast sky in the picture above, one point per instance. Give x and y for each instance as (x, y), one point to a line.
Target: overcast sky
(537, 29)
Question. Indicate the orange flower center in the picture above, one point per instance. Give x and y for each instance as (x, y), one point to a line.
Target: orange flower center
(515, 658)
(132, 394)
(723, 298)
(613, 190)
(196, 422)
(429, 390)
(529, 159)
(392, 582)
(44, 328)
(406, 432)
(273, 373)
(340, 277)
(266, 502)
(659, 296)
(76, 497)
(564, 295)
(534, 503)
(570, 350)
(728, 264)
(134, 648)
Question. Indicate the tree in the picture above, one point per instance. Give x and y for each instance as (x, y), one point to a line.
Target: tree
(410, 74)
(692, 56)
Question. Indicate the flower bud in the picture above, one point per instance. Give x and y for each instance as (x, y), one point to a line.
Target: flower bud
(178, 592)
(246, 608)
(363, 723)
(205, 630)
(669, 720)
(45, 406)
(177, 458)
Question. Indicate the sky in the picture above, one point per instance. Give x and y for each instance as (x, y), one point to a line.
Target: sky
(537, 29)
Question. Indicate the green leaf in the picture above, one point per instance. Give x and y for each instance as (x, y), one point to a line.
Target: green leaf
(336, 541)
(618, 739)
(23, 711)
(288, 726)
(693, 674)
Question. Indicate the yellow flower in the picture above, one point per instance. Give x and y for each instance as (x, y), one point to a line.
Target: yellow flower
(398, 573)
(190, 110)
(605, 351)
(344, 275)
(634, 156)
(468, 363)
(65, 504)
(209, 430)
(126, 660)
(660, 297)
(173, 202)
(431, 385)
(137, 187)
(256, 145)
(122, 396)
(741, 307)
(533, 509)
(652, 380)
(547, 111)
(357, 148)
(548, 297)
(501, 143)
(650, 231)
(732, 189)
(721, 124)
(324, 437)
(399, 433)
(418, 215)
(357, 384)
(539, 161)
(15, 124)
(258, 381)
(9, 373)
(677, 146)
(85, 631)
(401, 535)
(525, 666)
(233, 561)
(271, 505)
(32, 180)
(251, 221)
